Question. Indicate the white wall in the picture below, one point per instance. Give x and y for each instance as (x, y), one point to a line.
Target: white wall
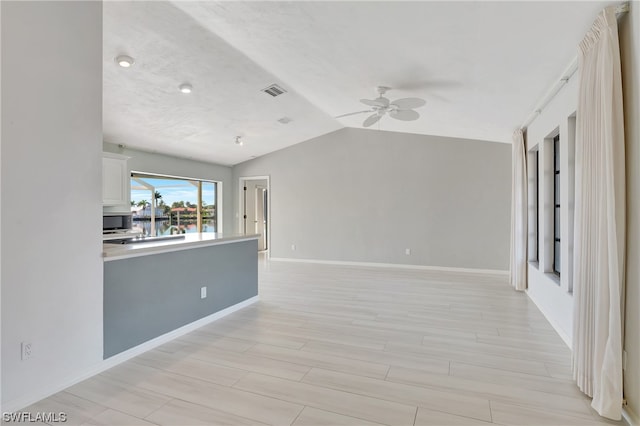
(630, 57)
(555, 300)
(365, 196)
(0, 211)
(142, 161)
(51, 194)
(552, 295)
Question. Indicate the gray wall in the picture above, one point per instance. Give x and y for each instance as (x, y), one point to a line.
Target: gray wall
(142, 161)
(148, 296)
(630, 57)
(51, 195)
(366, 195)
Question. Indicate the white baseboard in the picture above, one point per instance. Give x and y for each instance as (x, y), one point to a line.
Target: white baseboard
(17, 404)
(498, 272)
(554, 324)
(629, 417)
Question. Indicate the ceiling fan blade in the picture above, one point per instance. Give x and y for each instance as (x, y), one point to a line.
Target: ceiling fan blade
(384, 101)
(409, 103)
(353, 113)
(405, 115)
(375, 102)
(371, 120)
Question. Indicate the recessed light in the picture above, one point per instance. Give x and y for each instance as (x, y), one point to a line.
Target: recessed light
(124, 61)
(239, 141)
(185, 88)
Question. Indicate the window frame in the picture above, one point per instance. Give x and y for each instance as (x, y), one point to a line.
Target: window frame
(218, 193)
(556, 218)
(534, 203)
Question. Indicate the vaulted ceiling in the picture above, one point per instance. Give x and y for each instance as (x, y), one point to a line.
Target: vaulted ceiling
(480, 66)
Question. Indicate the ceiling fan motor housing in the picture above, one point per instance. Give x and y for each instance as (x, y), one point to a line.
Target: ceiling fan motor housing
(381, 90)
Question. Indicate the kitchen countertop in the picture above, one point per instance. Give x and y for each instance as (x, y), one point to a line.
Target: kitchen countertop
(194, 240)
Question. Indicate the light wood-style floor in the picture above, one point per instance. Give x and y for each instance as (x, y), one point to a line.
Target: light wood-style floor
(340, 345)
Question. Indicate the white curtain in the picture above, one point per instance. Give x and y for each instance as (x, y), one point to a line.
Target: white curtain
(599, 238)
(518, 213)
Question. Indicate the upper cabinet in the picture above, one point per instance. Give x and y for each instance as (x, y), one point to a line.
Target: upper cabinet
(115, 181)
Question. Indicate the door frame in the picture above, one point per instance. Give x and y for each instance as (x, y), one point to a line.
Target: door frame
(241, 183)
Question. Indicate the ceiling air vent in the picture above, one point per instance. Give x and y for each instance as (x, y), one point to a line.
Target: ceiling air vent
(274, 90)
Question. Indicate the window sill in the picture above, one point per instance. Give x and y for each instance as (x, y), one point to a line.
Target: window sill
(535, 264)
(553, 277)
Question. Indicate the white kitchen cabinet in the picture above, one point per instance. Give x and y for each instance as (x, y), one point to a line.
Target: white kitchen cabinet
(115, 180)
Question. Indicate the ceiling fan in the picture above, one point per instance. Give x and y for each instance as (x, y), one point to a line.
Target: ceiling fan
(400, 109)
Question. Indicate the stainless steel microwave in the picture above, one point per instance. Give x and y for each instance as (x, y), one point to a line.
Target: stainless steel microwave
(116, 222)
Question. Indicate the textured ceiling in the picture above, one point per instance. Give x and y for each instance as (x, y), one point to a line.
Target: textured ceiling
(481, 67)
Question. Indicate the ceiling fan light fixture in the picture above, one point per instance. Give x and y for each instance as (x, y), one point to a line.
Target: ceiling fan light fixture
(124, 61)
(185, 88)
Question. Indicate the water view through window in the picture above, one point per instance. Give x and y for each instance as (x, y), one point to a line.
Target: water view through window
(181, 205)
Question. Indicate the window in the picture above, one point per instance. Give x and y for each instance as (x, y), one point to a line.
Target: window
(534, 221)
(537, 215)
(556, 205)
(165, 205)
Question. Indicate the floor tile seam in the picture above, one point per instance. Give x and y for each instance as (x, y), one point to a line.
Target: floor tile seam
(397, 401)
(379, 334)
(367, 359)
(328, 339)
(533, 376)
(263, 373)
(346, 415)
(540, 348)
(213, 362)
(199, 378)
(298, 415)
(457, 414)
(496, 340)
(553, 410)
(253, 339)
(227, 333)
(124, 412)
(159, 408)
(389, 362)
(324, 388)
(141, 385)
(440, 353)
(216, 408)
(489, 354)
(319, 364)
(206, 407)
(489, 395)
(104, 407)
(532, 358)
(446, 356)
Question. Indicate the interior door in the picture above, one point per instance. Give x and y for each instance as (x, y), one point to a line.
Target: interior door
(261, 216)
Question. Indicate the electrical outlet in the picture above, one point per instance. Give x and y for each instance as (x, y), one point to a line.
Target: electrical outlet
(407, 251)
(203, 293)
(26, 349)
(293, 247)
